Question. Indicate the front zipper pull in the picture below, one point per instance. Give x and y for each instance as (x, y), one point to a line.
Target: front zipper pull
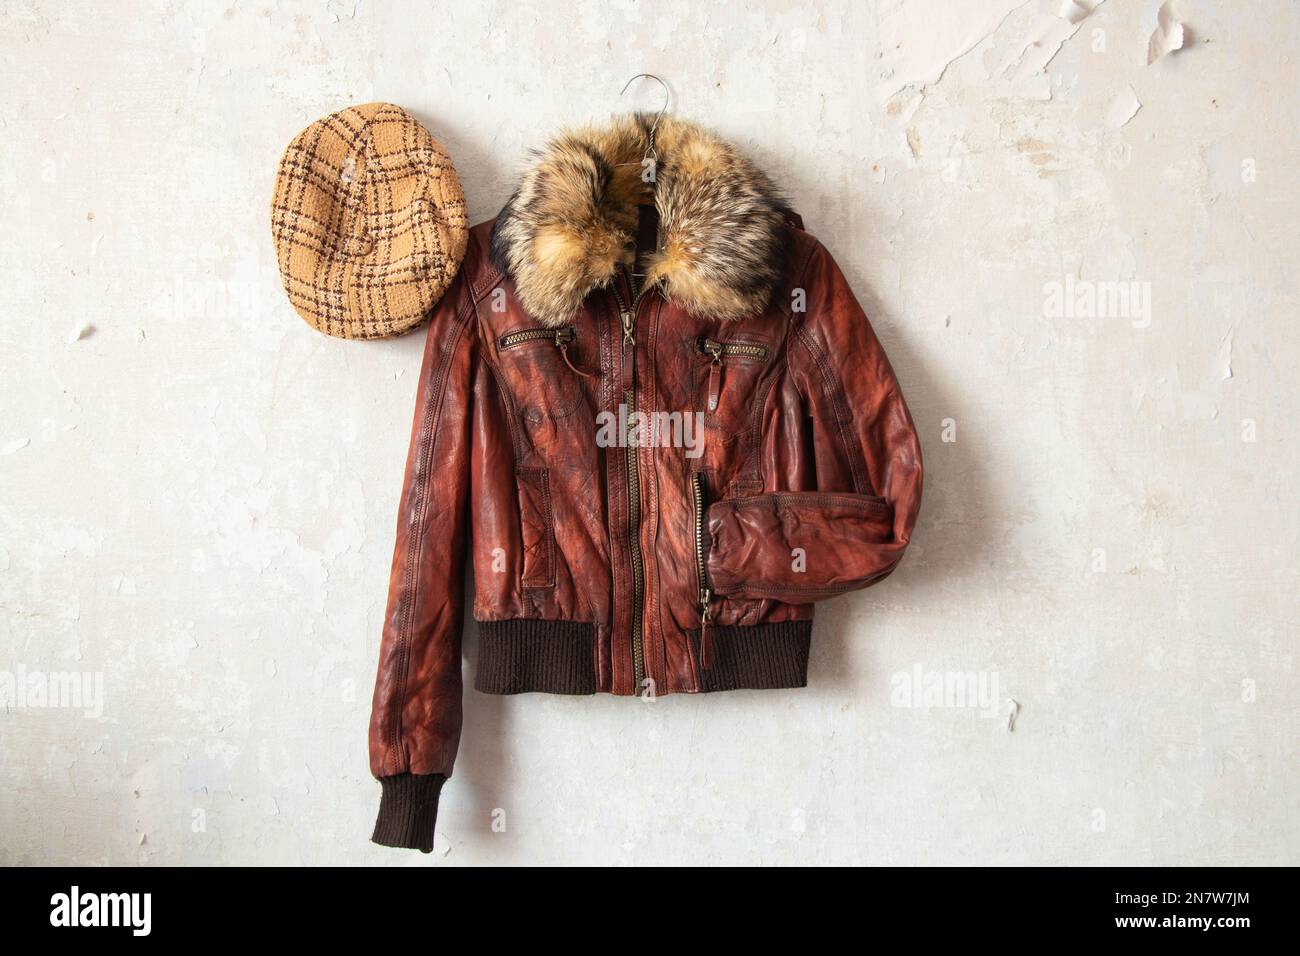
(627, 317)
(715, 373)
(706, 632)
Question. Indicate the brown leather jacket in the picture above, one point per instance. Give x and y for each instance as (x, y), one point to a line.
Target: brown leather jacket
(627, 553)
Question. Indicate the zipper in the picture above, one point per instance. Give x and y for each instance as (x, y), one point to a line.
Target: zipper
(701, 570)
(627, 317)
(562, 336)
(719, 349)
(716, 350)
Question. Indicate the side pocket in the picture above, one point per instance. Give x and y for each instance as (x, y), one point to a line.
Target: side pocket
(538, 528)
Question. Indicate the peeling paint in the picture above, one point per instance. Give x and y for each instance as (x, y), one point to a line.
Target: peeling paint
(1122, 108)
(1167, 36)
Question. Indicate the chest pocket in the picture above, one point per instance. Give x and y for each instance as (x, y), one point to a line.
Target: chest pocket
(542, 372)
(728, 385)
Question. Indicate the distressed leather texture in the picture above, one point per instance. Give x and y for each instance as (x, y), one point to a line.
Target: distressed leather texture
(811, 474)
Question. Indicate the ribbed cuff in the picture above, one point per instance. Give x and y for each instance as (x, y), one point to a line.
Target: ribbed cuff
(408, 810)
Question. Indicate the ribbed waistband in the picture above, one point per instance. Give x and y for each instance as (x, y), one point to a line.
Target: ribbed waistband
(554, 657)
(559, 657)
(760, 657)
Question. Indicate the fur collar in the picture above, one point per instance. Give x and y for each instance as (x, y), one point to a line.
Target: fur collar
(723, 233)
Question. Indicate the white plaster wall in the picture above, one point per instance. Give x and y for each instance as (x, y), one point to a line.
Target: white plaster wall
(198, 496)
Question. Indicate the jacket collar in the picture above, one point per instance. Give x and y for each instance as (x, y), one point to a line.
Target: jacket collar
(723, 233)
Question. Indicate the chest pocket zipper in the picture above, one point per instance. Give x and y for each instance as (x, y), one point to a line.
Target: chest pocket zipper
(717, 351)
(563, 338)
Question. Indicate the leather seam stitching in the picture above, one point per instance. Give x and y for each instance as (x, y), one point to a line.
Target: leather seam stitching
(429, 439)
(869, 502)
(833, 391)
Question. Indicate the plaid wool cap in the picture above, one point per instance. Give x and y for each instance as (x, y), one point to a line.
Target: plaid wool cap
(369, 222)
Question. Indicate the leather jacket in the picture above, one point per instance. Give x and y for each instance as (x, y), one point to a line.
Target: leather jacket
(654, 417)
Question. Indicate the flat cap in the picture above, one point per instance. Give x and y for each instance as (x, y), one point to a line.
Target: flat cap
(369, 222)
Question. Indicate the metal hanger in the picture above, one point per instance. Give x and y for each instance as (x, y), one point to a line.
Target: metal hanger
(650, 152)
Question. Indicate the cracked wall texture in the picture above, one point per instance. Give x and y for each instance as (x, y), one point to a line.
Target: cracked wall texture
(198, 492)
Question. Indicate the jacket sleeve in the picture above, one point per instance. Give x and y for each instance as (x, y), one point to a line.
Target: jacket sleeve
(852, 529)
(415, 718)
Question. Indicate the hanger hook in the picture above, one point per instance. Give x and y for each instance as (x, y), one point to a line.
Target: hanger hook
(658, 116)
